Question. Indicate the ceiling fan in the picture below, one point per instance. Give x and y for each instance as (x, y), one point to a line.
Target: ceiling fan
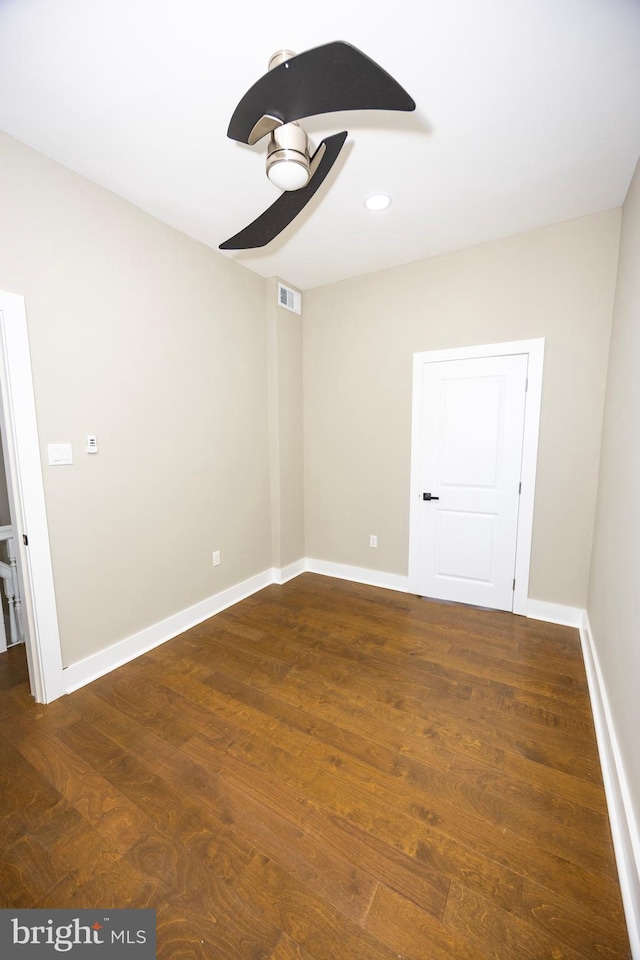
(326, 79)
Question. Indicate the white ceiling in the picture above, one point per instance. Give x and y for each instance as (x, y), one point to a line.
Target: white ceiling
(528, 113)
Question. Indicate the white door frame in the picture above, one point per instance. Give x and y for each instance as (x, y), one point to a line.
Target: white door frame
(22, 455)
(535, 350)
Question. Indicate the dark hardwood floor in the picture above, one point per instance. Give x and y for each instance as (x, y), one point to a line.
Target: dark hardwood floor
(325, 771)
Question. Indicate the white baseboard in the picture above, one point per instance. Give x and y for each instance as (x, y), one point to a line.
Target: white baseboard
(624, 828)
(554, 613)
(289, 572)
(98, 664)
(536, 609)
(373, 578)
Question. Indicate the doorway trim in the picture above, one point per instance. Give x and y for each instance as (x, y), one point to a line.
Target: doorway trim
(535, 351)
(27, 491)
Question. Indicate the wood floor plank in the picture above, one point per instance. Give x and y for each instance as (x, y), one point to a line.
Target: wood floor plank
(457, 792)
(497, 934)
(324, 770)
(425, 885)
(286, 840)
(441, 803)
(527, 738)
(29, 801)
(585, 931)
(286, 949)
(230, 927)
(97, 801)
(110, 885)
(28, 872)
(414, 934)
(308, 920)
(360, 745)
(385, 827)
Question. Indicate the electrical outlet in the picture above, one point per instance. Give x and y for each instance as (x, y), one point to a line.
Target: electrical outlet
(216, 558)
(373, 540)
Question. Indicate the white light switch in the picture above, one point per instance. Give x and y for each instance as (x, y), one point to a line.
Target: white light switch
(92, 443)
(59, 454)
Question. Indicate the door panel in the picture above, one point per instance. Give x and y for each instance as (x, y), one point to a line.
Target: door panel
(469, 436)
(470, 458)
(464, 545)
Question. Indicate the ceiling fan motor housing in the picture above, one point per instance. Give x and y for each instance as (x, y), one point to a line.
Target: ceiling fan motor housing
(288, 157)
(279, 57)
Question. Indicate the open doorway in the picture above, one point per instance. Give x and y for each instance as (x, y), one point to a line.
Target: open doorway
(29, 531)
(11, 590)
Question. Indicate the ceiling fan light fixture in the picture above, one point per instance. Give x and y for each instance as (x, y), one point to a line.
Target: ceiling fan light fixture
(377, 201)
(288, 157)
(288, 173)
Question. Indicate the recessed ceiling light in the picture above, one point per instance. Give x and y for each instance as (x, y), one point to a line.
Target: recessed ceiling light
(379, 201)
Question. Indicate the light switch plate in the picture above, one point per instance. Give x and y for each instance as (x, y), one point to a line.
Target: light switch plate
(59, 454)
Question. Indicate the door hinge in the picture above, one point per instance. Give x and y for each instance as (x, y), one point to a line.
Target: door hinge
(514, 584)
(25, 539)
(526, 384)
(519, 488)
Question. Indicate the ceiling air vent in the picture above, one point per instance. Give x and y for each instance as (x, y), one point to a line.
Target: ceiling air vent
(289, 299)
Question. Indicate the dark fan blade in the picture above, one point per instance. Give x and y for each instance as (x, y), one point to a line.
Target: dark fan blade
(333, 77)
(280, 214)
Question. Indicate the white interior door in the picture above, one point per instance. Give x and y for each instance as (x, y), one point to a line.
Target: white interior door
(471, 442)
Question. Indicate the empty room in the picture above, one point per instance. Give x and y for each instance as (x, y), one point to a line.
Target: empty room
(319, 523)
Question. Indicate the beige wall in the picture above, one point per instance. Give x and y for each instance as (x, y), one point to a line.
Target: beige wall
(614, 590)
(157, 344)
(359, 337)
